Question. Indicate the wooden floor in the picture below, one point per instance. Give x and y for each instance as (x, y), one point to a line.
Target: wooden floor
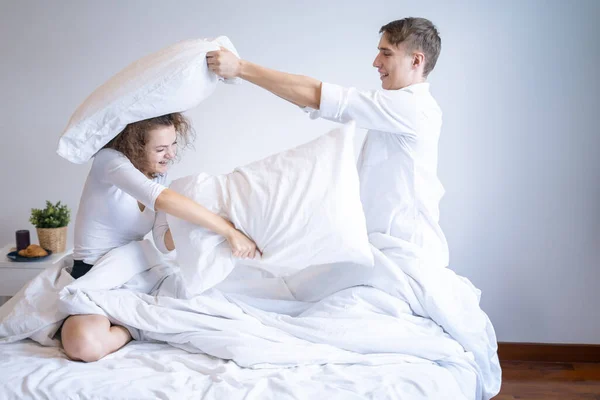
(549, 381)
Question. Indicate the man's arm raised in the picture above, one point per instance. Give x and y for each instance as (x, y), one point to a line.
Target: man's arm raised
(300, 90)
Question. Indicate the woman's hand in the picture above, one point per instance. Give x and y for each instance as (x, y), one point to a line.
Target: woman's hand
(241, 245)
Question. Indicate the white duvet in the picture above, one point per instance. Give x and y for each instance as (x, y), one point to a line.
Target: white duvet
(392, 316)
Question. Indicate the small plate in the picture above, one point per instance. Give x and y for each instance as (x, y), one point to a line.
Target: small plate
(14, 256)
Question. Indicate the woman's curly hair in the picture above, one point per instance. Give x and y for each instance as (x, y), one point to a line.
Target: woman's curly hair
(132, 140)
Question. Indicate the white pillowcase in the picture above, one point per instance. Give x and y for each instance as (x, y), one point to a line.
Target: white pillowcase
(301, 207)
(174, 79)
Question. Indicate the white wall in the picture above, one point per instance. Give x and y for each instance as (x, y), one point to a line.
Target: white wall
(518, 148)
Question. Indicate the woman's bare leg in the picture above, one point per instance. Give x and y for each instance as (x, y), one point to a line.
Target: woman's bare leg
(90, 337)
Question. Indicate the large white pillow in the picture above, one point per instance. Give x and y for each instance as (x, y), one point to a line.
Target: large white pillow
(302, 207)
(174, 79)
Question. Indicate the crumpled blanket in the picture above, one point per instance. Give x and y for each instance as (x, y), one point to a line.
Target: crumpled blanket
(397, 312)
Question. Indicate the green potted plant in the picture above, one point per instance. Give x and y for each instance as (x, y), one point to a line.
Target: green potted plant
(51, 225)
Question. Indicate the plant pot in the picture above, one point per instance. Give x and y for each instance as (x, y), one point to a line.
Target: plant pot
(53, 239)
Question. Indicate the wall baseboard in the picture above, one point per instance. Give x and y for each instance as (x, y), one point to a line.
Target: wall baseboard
(549, 352)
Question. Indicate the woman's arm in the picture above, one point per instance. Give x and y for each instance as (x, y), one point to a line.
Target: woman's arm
(182, 207)
(116, 169)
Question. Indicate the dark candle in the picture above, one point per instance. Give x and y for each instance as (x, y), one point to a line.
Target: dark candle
(22, 237)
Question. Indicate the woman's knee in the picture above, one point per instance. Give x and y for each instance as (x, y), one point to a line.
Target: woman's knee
(81, 337)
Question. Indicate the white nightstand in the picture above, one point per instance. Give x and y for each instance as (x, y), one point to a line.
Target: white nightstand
(13, 275)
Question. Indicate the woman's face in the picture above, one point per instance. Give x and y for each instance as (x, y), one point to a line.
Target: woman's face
(161, 148)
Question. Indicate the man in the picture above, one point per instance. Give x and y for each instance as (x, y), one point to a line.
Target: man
(400, 190)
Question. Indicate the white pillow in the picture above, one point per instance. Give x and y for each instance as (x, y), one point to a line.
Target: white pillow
(302, 207)
(174, 79)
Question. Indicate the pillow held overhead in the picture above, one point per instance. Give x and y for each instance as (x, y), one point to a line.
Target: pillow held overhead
(174, 79)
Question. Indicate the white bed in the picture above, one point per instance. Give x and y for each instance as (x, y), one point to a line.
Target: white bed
(143, 370)
(397, 331)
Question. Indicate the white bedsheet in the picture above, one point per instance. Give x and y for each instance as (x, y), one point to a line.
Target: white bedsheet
(373, 328)
(143, 370)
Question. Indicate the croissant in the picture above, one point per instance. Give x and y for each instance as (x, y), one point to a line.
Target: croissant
(33, 250)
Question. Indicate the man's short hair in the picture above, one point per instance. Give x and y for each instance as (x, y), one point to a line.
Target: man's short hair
(419, 34)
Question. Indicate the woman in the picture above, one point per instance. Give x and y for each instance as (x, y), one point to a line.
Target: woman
(123, 199)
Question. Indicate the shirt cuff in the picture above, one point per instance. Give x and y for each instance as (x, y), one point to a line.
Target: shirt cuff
(332, 99)
(312, 113)
(159, 231)
(331, 103)
(160, 244)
